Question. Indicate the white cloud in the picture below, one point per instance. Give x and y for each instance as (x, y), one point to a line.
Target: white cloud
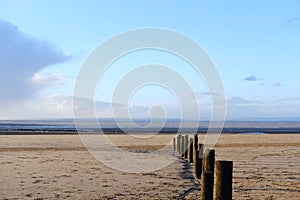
(21, 57)
(49, 79)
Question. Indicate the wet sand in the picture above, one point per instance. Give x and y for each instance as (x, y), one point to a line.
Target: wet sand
(59, 167)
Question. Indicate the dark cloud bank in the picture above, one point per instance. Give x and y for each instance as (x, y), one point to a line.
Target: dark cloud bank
(21, 56)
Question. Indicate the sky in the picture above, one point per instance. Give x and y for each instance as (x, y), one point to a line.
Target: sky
(255, 46)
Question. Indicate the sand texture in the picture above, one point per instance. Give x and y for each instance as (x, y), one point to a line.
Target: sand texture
(59, 167)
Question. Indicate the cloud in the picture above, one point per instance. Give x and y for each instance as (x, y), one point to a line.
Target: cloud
(87, 108)
(262, 81)
(239, 101)
(200, 95)
(240, 108)
(286, 99)
(276, 84)
(21, 57)
(253, 78)
(297, 19)
(272, 84)
(48, 79)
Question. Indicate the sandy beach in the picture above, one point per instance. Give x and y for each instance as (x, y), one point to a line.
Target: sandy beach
(59, 167)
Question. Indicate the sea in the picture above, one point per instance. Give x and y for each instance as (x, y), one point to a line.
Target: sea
(113, 126)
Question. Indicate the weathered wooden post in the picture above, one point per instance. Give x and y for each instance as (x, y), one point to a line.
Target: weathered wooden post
(208, 164)
(191, 151)
(174, 144)
(207, 185)
(182, 146)
(197, 161)
(186, 146)
(223, 187)
(209, 160)
(196, 142)
(197, 165)
(201, 149)
(179, 144)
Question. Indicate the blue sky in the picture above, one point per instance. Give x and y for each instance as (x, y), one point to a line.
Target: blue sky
(255, 46)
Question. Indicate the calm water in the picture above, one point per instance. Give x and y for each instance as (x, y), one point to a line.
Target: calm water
(248, 127)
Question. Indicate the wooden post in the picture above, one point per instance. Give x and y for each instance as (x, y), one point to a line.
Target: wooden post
(191, 151)
(179, 145)
(223, 187)
(197, 165)
(196, 142)
(209, 160)
(186, 146)
(200, 149)
(174, 144)
(197, 161)
(207, 185)
(182, 146)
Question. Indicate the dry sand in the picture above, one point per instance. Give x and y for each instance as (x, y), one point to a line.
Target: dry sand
(59, 167)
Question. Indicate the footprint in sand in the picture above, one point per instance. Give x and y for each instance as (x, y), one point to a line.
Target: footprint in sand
(37, 181)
